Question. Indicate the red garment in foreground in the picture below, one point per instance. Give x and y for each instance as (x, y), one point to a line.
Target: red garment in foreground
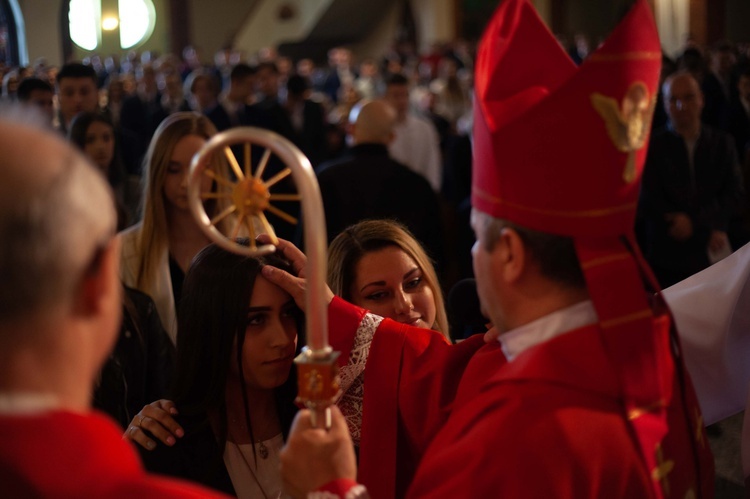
(460, 421)
(65, 455)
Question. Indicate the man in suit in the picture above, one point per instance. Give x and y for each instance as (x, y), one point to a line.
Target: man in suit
(739, 114)
(368, 183)
(416, 143)
(307, 118)
(268, 110)
(232, 108)
(76, 92)
(717, 85)
(691, 187)
(141, 114)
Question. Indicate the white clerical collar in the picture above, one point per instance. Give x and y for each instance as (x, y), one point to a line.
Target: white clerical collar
(27, 403)
(515, 341)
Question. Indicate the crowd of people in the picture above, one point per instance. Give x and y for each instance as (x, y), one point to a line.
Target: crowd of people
(681, 228)
(200, 375)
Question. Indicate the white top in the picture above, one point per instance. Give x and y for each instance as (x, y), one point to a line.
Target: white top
(160, 290)
(251, 482)
(416, 145)
(515, 341)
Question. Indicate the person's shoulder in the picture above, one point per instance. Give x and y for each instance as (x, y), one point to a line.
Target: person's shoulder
(334, 168)
(411, 178)
(661, 134)
(198, 444)
(421, 123)
(216, 111)
(130, 102)
(130, 237)
(142, 302)
(712, 134)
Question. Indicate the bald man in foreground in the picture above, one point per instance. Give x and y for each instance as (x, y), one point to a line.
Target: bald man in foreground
(368, 183)
(60, 303)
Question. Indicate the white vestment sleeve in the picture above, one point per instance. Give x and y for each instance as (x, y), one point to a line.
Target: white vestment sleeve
(712, 315)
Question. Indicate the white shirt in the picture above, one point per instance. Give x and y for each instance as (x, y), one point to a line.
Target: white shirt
(417, 146)
(251, 481)
(516, 341)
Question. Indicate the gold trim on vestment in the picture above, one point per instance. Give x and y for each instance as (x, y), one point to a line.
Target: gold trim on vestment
(598, 212)
(646, 409)
(643, 314)
(605, 260)
(626, 56)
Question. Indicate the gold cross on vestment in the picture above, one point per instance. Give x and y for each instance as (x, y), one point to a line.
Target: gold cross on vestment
(699, 428)
(629, 124)
(662, 469)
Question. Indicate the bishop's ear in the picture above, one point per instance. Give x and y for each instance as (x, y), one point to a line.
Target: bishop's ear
(511, 255)
(100, 283)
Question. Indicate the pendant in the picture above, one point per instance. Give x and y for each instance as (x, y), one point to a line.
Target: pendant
(263, 450)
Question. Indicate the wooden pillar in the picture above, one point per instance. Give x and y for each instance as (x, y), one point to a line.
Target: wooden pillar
(179, 26)
(715, 21)
(66, 43)
(458, 19)
(707, 19)
(559, 17)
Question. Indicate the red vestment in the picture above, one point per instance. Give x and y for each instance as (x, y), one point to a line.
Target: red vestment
(461, 421)
(63, 455)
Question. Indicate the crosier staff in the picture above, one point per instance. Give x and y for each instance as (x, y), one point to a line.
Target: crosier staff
(248, 197)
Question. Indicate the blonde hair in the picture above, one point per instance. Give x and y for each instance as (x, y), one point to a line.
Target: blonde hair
(348, 248)
(154, 230)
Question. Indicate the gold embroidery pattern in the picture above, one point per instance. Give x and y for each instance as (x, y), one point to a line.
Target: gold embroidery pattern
(699, 428)
(635, 316)
(628, 126)
(600, 212)
(627, 56)
(605, 260)
(640, 411)
(663, 468)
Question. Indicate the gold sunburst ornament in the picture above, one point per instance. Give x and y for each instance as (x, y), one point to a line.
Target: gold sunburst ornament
(247, 196)
(628, 126)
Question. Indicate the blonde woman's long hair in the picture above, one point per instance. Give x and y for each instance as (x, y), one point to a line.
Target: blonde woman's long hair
(348, 248)
(153, 238)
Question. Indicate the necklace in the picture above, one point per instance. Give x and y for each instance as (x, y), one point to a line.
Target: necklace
(262, 450)
(260, 445)
(251, 470)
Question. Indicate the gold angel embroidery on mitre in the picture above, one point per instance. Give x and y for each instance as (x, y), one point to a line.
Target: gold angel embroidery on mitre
(627, 127)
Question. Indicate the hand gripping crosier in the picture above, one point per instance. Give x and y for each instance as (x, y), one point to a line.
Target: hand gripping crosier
(244, 200)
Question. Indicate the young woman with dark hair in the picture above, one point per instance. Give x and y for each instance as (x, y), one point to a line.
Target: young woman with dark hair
(235, 382)
(94, 134)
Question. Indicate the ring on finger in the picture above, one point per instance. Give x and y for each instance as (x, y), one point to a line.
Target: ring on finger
(133, 429)
(140, 421)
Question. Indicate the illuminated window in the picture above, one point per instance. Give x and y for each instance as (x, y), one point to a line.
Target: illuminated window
(85, 18)
(136, 22)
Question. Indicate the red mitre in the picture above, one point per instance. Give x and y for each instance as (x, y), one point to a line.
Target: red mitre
(560, 149)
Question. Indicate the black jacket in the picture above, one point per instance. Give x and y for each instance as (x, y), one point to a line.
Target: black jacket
(139, 369)
(369, 184)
